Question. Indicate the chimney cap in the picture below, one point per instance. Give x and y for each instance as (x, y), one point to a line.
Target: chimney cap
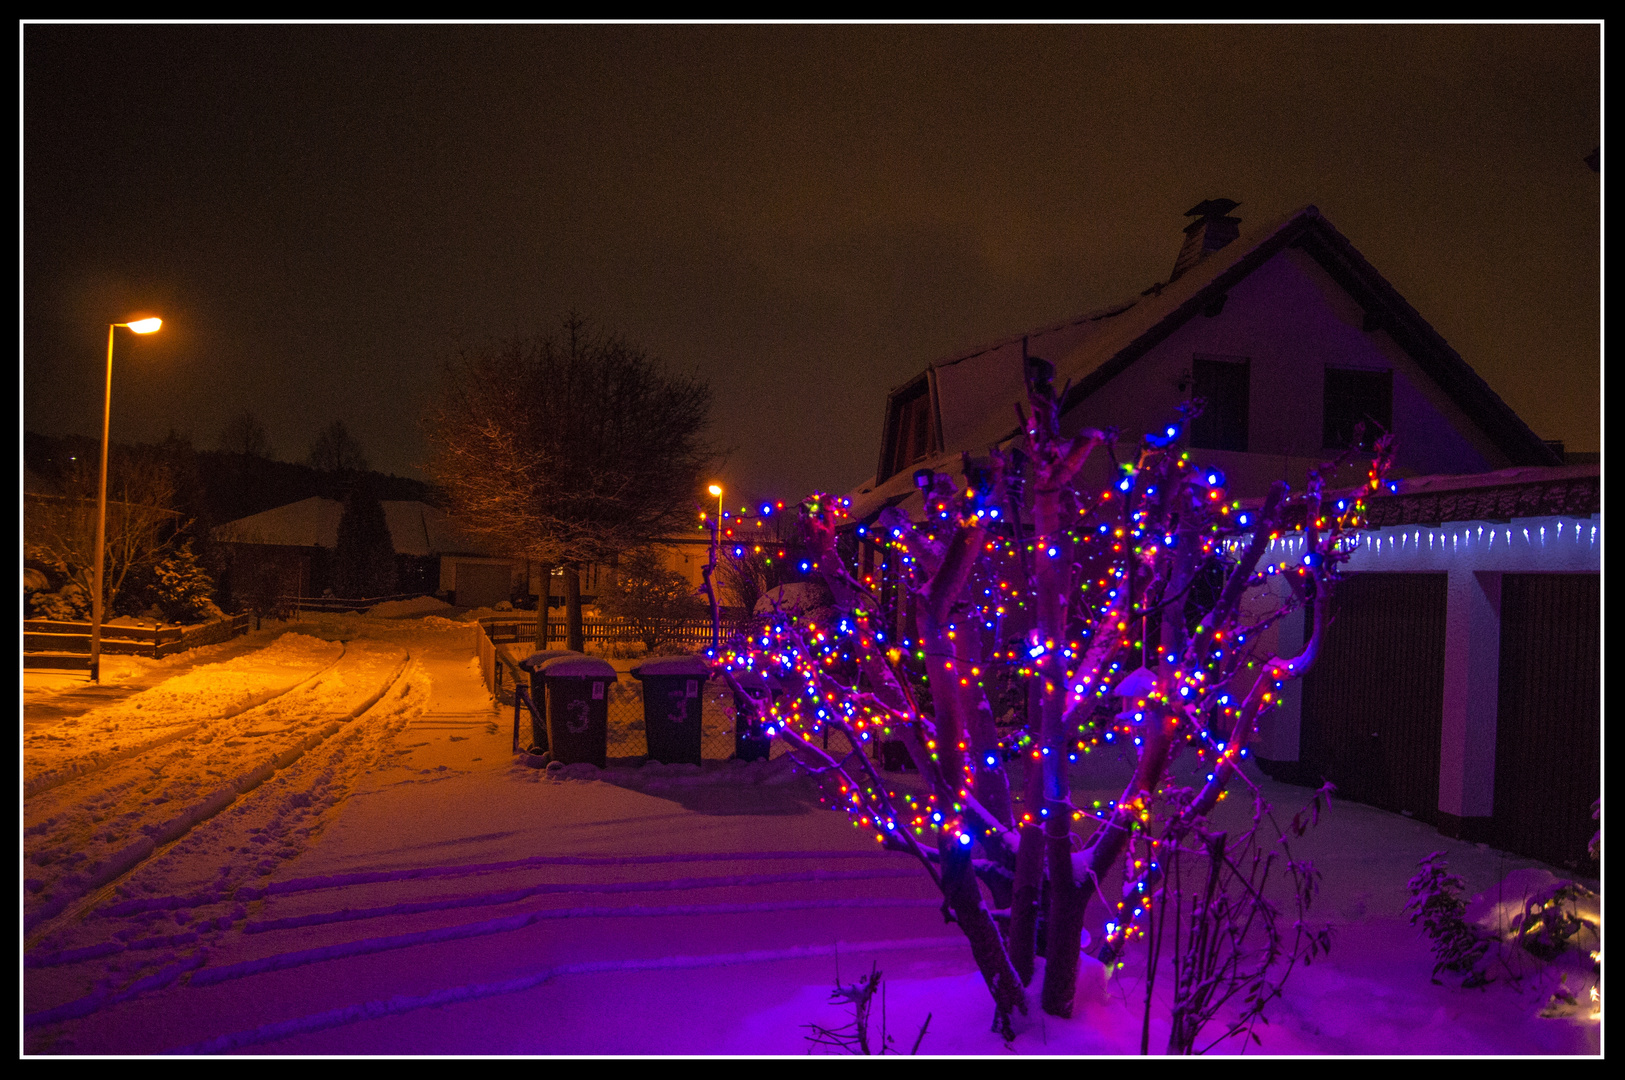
(1210, 208)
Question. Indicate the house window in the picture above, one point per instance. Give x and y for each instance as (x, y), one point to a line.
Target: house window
(1352, 397)
(1223, 384)
(909, 431)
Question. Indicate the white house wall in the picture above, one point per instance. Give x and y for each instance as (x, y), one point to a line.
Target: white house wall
(1291, 321)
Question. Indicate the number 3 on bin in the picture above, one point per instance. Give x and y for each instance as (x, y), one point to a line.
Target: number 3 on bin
(578, 721)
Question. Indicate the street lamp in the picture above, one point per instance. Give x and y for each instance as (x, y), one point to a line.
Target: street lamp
(139, 326)
(711, 569)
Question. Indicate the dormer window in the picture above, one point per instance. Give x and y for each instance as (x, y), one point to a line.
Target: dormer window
(910, 431)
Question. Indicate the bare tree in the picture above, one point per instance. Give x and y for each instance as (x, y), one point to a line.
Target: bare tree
(336, 450)
(568, 449)
(142, 524)
(244, 434)
(1139, 614)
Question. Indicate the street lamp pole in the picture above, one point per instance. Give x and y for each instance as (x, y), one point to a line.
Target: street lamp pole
(140, 326)
(711, 570)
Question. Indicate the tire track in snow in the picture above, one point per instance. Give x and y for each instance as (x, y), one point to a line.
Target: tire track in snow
(161, 836)
(366, 946)
(511, 896)
(93, 763)
(395, 1006)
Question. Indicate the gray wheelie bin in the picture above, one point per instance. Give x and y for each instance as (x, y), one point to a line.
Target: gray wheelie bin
(536, 697)
(673, 696)
(577, 710)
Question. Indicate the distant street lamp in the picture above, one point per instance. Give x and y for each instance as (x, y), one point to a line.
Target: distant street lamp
(139, 326)
(711, 569)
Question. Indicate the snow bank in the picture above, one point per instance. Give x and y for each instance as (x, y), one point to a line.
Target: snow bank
(422, 605)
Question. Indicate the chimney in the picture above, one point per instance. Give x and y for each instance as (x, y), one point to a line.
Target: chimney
(1209, 232)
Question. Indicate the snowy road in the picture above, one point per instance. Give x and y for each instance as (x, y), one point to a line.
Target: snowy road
(397, 882)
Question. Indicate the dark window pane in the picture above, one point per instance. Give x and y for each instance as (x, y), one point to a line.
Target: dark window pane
(1223, 384)
(910, 431)
(1353, 397)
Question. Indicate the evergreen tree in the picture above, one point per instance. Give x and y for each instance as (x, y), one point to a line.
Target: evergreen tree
(364, 560)
(182, 588)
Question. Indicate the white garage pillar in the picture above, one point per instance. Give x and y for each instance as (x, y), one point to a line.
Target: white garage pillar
(1278, 739)
(1471, 688)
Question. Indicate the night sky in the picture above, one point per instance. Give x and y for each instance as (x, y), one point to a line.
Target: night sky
(802, 216)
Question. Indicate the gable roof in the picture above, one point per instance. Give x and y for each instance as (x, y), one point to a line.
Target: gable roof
(415, 528)
(1126, 332)
(1091, 350)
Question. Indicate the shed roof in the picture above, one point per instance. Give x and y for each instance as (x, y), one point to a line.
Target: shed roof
(415, 528)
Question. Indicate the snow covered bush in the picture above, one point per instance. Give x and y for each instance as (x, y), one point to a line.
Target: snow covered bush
(649, 598)
(183, 589)
(71, 603)
(1134, 611)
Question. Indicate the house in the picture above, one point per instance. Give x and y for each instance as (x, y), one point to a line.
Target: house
(287, 551)
(1472, 608)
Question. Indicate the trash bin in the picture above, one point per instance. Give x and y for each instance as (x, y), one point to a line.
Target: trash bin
(577, 708)
(537, 699)
(751, 742)
(673, 698)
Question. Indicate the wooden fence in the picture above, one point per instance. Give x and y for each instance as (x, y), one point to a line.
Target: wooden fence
(66, 645)
(500, 667)
(337, 604)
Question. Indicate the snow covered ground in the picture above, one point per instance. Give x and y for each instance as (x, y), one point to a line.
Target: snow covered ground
(319, 842)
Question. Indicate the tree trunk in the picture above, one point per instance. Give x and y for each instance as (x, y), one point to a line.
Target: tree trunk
(964, 898)
(544, 599)
(1029, 880)
(573, 639)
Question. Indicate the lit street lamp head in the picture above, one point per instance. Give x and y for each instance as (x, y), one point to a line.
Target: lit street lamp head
(145, 326)
(714, 489)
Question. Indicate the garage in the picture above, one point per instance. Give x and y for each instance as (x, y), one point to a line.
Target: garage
(1373, 702)
(482, 584)
(1548, 732)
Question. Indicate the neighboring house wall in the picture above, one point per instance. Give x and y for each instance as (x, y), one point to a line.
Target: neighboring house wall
(1291, 322)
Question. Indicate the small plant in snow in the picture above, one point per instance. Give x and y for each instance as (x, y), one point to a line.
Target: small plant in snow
(1551, 918)
(853, 1037)
(1458, 946)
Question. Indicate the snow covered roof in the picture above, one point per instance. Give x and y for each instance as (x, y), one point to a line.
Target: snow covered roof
(415, 528)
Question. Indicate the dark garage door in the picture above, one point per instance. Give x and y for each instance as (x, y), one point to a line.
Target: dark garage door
(1548, 727)
(1373, 704)
(482, 584)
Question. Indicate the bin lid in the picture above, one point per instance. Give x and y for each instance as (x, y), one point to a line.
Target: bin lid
(537, 659)
(576, 666)
(689, 666)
